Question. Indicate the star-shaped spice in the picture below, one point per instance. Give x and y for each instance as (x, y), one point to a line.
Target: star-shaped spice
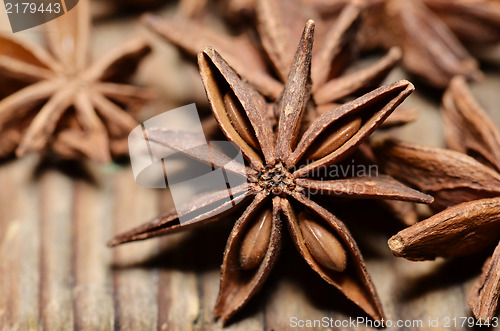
(265, 64)
(468, 180)
(434, 34)
(281, 179)
(58, 100)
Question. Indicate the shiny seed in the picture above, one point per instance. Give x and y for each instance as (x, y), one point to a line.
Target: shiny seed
(254, 245)
(239, 120)
(334, 139)
(322, 244)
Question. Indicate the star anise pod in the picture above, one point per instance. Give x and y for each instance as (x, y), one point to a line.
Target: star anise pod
(280, 177)
(58, 100)
(279, 25)
(467, 179)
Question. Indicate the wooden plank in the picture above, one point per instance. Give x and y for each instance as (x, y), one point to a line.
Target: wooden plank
(178, 292)
(178, 295)
(134, 285)
(92, 292)
(19, 247)
(56, 279)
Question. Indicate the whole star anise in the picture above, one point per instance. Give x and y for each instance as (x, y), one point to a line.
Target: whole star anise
(265, 64)
(279, 178)
(434, 34)
(466, 179)
(58, 100)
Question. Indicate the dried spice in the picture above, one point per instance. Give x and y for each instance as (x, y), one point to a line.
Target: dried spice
(475, 22)
(278, 189)
(430, 49)
(430, 32)
(265, 63)
(279, 24)
(466, 178)
(59, 100)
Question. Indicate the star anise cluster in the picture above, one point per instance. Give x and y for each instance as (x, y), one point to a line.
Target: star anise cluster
(466, 179)
(57, 100)
(277, 195)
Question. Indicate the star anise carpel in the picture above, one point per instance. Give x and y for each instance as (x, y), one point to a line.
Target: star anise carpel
(58, 100)
(280, 179)
(465, 179)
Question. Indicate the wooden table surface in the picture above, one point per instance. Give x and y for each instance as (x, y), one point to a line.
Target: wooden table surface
(56, 272)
